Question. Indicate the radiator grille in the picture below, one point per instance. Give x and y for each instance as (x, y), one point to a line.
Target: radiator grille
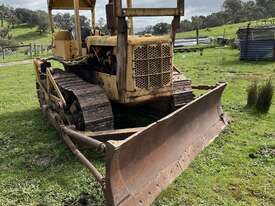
(152, 65)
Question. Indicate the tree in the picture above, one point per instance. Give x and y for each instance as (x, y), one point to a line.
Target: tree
(3, 14)
(102, 26)
(223, 17)
(161, 28)
(100, 23)
(232, 6)
(267, 7)
(84, 22)
(186, 25)
(42, 21)
(7, 14)
(263, 3)
(64, 21)
(25, 16)
(251, 11)
(198, 22)
(234, 10)
(212, 21)
(11, 17)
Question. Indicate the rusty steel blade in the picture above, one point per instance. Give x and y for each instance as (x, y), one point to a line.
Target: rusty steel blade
(139, 168)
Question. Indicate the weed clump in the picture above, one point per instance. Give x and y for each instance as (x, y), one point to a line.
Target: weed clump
(265, 97)
(261, 97)
(252, 95)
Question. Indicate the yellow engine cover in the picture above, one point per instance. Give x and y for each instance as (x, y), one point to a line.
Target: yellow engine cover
(149, 66)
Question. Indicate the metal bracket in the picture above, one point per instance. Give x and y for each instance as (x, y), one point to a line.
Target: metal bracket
(51, 82)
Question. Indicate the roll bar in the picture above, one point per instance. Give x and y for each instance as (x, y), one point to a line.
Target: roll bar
(131, 12)
(75, 5)
(117, 23)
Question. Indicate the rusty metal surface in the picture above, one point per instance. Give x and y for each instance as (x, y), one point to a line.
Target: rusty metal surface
(83, 159)
(139, 168)
(69, 4)
(182, 90)
(91, 142)
(133, 12)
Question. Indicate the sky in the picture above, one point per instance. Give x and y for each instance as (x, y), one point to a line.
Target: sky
(192, 8)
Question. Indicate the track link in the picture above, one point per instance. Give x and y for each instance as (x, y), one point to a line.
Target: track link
(88, 100)
(182, 90)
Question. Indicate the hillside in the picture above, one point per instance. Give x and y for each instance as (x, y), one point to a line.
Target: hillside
(26, 34)
(229, 29)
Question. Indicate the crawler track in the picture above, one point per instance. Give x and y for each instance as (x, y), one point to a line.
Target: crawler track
(182, 90)
(87, 104)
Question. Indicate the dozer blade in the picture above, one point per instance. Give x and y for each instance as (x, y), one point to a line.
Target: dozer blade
(139, 168)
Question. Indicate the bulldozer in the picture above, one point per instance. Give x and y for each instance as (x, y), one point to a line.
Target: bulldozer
(120, 94)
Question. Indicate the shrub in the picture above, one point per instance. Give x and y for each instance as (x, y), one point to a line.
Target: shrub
(265, 95)
(252, 95)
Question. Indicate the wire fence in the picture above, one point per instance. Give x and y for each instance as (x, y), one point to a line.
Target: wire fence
(25, 51)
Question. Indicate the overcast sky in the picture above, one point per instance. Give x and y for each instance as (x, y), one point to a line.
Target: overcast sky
(193, 7)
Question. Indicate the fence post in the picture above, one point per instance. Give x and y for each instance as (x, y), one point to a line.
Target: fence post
(35, 50)
(30, 49)
(197, 33)
(3, 51)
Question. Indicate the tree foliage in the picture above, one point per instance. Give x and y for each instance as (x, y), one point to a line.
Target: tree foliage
(234, 11)
(42, 21)
(64, 21)
(19, 16)
(161, 28)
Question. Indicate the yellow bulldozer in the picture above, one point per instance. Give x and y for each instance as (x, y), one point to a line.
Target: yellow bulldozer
(120, 94)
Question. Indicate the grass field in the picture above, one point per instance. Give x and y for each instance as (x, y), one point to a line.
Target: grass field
(227, 30)
(26, 34)
(237, 169)
(14, 58)
(20, 56)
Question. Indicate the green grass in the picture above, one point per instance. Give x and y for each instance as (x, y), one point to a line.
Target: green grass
(37, 169)
(25, 34)
(225, 173)
(20, 56)
(229, 30)
(14, 58)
